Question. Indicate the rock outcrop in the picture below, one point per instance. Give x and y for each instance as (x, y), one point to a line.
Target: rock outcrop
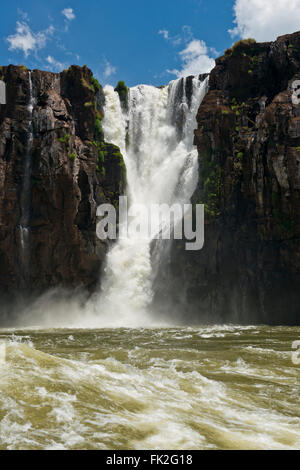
(72, 171)
(248, 139)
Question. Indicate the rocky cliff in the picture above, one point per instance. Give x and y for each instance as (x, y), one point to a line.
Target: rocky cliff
(71, 171)
(248, 139)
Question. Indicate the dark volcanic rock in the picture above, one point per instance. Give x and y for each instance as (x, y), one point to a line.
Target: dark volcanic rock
(248, 139)
(71, 173)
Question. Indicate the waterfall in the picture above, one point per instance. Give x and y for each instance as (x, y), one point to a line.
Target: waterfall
(162, 167)
(25, 197)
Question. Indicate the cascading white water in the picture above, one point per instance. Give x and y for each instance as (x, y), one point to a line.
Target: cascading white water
(162, 167)
(26, 188)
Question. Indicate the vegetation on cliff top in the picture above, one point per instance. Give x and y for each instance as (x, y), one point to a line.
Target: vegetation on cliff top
(122, 90)
(239, 46)
(95, 84)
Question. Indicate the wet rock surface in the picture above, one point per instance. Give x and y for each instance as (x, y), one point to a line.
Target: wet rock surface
(72, 172)
(248, 139)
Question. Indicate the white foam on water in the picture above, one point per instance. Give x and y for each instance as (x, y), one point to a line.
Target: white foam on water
(132, 391)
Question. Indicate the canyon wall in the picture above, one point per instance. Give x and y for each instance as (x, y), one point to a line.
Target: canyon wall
(248, 138)
(72, 171)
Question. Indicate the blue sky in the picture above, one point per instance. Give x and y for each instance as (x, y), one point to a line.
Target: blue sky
(134, 40)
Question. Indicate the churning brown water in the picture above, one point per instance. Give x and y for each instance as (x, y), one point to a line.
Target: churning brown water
(217, 387)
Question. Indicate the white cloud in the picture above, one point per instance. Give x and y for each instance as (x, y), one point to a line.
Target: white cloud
(265, 20)
(195, 59)
(69, 14)
(187, 33)
(109, 70)
(165, 33)
(175, 40)
(55, 64)
(27, 40)
(23, 14)
(185, 36)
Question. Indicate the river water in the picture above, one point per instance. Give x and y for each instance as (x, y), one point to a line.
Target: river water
(210, 387)
(103, 385)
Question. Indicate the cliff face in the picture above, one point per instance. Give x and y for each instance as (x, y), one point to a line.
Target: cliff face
(71, 172)
(248, 139)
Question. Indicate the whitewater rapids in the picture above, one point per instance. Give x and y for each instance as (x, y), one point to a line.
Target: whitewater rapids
(219, 387)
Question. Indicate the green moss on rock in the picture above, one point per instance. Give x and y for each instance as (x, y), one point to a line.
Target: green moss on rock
(99, 135)
(65, 140)
(211, 177)
(96, 87)
(239, 47)
(122, 90)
